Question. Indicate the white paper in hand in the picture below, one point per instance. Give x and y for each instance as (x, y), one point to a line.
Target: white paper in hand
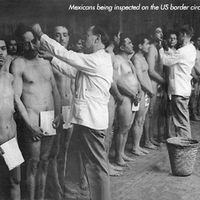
(12, 154)
(66, 116)
(46, 119)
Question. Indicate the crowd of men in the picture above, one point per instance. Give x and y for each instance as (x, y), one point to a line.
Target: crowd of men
(102, 91)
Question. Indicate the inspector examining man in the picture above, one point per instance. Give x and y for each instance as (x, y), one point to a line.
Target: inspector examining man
(93, 73)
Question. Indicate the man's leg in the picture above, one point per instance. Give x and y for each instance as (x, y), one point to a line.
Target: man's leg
(95, 161)
(125, 119)
(137, 128)
(15, 179)
(33, 149)
(45, 150)
(180, 115)
(54, 165)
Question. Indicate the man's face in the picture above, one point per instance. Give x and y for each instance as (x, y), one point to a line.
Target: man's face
(158, 34)
(90, 40)
(145, 46)
(127, 47)
(61, 35)
(30, 45)
(12, 47)
(172, 40)
(181, 37)
(3, 52)
(79, 46)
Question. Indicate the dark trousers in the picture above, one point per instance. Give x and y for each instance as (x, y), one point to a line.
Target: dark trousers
(90, 144)
(180, 115)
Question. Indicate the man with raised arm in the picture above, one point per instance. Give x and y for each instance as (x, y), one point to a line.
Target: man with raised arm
(93, 72)
(35, 93)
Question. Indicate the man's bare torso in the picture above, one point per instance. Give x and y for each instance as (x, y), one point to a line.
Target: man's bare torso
(7, 123)
(37, 89)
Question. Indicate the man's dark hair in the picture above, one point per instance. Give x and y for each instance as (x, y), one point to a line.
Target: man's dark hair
(97, 30)
(69, 29)
(188, 30)
(139, 39)
(171, 32)
(122, 38)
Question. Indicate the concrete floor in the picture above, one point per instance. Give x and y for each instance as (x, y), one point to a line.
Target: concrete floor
(146, 178)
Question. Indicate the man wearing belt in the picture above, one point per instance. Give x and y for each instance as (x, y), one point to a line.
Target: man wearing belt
(93, 73)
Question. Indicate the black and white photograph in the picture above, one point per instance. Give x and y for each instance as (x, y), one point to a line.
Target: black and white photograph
(99, 99)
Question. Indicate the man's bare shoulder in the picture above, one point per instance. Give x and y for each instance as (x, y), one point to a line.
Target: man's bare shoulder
(18, 64)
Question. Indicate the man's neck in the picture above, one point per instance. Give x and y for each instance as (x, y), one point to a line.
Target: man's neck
(186, 41)
(124, 55)
(99, 47)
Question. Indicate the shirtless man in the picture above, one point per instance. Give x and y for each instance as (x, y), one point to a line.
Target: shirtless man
(125, 115)
(35, 91)
(141, 66)
(65, 87)
(115, 98)
(156, 76)
(7, 123)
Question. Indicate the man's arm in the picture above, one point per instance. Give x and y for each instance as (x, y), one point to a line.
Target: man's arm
(57, 102)
(170, 58)
(144, 83)
(17, 71)
(151, 60)
(82, 62)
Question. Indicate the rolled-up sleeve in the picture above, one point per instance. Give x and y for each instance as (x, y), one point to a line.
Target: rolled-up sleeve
(82, 62)
(64, 68)
(170, 58)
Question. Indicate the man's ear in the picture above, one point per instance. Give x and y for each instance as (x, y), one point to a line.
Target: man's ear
(98, 38)
(121, 48)
(140, 46)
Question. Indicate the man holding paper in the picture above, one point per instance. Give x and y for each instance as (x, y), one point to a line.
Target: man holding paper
(36, 97)
(93, 76)
(8, 143)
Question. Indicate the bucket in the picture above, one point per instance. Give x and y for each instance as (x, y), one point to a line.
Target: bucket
(182, 155)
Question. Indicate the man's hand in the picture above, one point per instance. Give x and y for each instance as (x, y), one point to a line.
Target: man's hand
(36, 133)
(57, 121)
(45, 54)
(37, 30)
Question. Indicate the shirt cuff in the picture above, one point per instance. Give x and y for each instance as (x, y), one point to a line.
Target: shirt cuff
(54, 61)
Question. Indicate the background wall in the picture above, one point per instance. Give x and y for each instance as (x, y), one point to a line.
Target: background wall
(54, 12)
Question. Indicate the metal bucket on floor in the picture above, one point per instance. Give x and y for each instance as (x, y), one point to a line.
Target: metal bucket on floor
(182, 155)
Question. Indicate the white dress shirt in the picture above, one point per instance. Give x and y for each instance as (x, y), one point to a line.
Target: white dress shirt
(93, 73)
(182, 61)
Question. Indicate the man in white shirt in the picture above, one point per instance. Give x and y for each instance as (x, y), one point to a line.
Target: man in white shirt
(93, 72)
(182, 61)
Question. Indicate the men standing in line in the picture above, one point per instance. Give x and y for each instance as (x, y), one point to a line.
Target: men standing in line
(129, 89)
(141, 66)
(8, 133)
(182, 61)
(35, 92)
(93, 72)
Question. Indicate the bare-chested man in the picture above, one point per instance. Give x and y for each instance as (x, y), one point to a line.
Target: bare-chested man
(156, 76)
(35, 91)
(125, 115)
(65, 87)
(115, 98)
(141, 66)
(7, 123)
